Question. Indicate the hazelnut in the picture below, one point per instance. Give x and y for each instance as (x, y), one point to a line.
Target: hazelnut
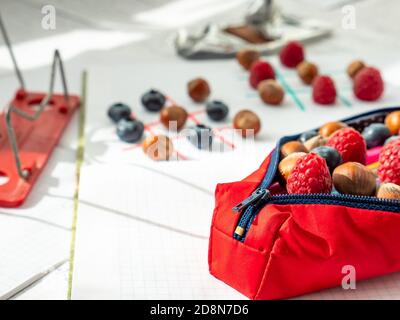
(355, 67)
(248, 122)
(392, 121)
(389, 191)
(292, 147)
(271, 92)
(307, 71)
(173, 117)
(247, 57)
(327, 129)
(287, 164)
(315, 142)
(158, 148)
(354, 178)
(198, 89)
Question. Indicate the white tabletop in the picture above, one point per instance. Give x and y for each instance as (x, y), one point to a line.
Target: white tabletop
(136, 33)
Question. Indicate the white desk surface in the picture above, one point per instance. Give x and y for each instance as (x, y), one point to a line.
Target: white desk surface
(375, 38)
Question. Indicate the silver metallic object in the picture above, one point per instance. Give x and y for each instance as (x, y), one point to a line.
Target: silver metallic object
(24, 174)
(264, 17)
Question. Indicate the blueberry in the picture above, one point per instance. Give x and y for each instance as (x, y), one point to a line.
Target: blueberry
(201, 136)
(308, 135)
(153, 100)
(392, 138)
(331, 155)
(130, 130)
(376, 134)
(119, 111)
(217, 110)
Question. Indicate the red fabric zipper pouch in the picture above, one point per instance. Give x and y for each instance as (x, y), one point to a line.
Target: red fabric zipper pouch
(268, 244)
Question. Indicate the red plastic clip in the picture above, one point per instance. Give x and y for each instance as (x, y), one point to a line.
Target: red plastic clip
(35, 141)
(30, 129)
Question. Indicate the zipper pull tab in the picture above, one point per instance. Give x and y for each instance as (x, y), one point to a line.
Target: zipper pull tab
(252, 199)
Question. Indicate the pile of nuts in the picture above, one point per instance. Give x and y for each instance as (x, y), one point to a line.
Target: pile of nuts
(174, 118)
(367, 81)
(345, 153)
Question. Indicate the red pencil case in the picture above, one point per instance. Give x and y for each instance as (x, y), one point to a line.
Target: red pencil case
(275, 245)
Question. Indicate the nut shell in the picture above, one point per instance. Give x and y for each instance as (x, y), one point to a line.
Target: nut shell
(329, 128)
(158, 148)
(271, 92)
(173, 114)
(198, 89)
(355, 67)
(354, 178)
(389, 191)
(245, 121)
(315, 142)
(286, 166)
(246, 57)
(292, 147)
(307, 71)
(392, 121)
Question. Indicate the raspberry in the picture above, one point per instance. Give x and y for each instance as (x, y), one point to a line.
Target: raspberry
(324, 91)
(260, 70)
(368, 84)
(389, 159)
(350, 144)
(292, 54)
(310, 175)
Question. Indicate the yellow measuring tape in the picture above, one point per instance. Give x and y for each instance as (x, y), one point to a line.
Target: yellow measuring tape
(80, 152)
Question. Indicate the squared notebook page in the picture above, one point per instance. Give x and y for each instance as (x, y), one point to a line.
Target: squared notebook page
(135, 214)
(380, 288)
(36, 236)
(151, 241)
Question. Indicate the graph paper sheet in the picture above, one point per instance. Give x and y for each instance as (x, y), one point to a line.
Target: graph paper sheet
(36, 236)
(152, 246)
(143, 226)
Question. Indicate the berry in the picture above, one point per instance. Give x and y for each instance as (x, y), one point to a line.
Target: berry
(310, 175)
(350, 144)
(201, 136)
(324, 91)
(130, 130)
(119, 111)
(153, 100)
(375, 135)
(368, 84)
(392, 138)
(292, 54)
(331, 156)
(308, 135)
(217, 110)
(389, 159)
(259, 71)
